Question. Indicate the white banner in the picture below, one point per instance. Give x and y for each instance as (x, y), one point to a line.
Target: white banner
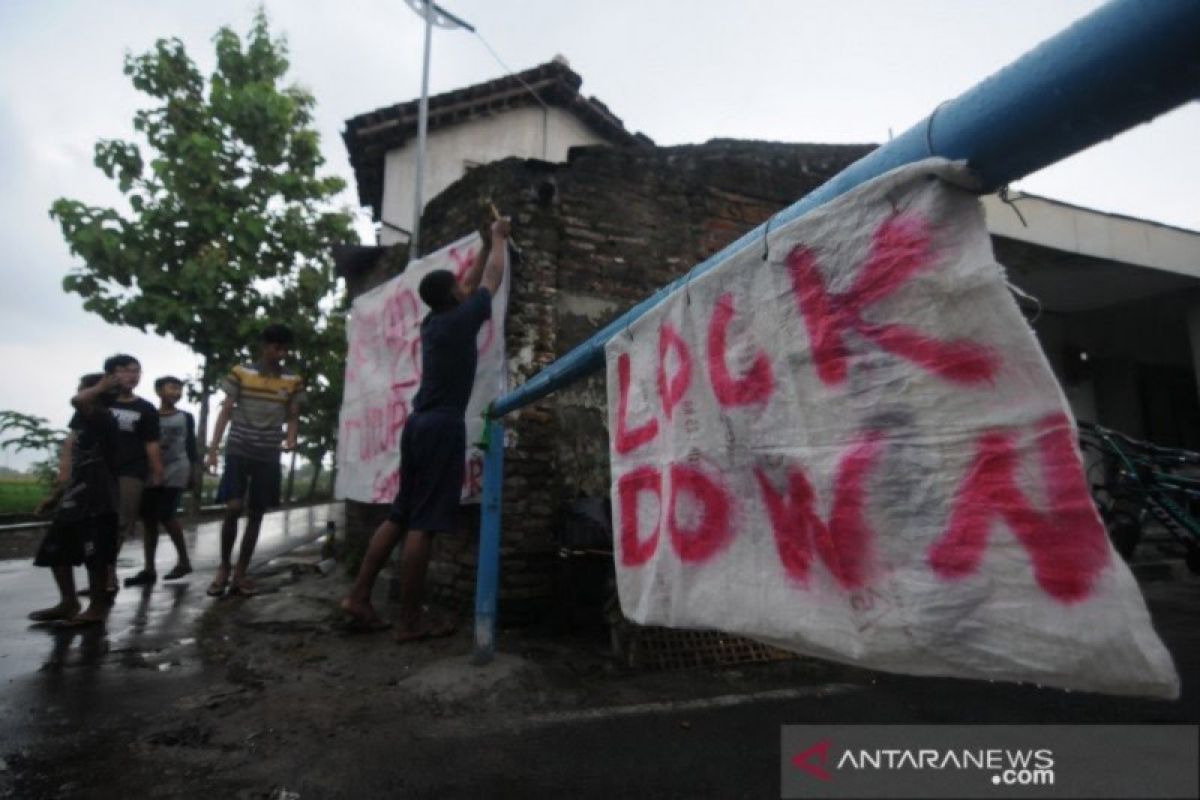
(383, 373)
(857, 450)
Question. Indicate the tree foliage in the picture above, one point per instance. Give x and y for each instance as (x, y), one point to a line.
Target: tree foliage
(227, 212)
(25, 432)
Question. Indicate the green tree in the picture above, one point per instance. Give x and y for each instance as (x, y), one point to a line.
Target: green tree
(27, 432)
(226, 209)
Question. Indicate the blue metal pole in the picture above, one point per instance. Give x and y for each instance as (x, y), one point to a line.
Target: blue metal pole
(488, 570)
(1123, 64)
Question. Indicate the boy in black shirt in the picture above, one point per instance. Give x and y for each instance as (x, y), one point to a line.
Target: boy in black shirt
(139, 460)
(433, 442)
(84, 529)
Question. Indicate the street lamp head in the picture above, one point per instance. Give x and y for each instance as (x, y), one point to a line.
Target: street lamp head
(440, 16)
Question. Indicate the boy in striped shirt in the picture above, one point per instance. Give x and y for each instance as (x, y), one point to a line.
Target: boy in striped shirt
(259, 400)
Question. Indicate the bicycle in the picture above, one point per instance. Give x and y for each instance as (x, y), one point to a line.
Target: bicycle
(1140, 483)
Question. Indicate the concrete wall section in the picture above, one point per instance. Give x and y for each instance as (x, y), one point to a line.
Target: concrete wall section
(525, 132)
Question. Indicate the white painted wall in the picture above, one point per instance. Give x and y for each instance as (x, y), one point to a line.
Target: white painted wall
(1094, 233)
(526, 132)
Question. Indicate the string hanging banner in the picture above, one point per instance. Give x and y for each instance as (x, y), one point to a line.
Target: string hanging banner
(383, 373)
(857, 451)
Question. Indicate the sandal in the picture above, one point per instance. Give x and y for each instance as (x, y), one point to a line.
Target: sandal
(217, 588)
(144, 578)
(55, 614)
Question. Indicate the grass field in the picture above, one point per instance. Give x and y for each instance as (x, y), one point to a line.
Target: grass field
(20, 495)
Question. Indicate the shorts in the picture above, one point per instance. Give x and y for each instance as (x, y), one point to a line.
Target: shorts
(91, 541)
(161, 503)
(251, 480)
(433, 450)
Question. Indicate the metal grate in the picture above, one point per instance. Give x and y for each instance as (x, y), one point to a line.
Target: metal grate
(670, 648)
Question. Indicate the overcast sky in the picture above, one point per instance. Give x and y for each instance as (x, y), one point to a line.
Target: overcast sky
(797, 71)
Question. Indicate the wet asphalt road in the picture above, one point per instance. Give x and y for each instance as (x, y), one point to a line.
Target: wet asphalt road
(62, 676)
(702, 748)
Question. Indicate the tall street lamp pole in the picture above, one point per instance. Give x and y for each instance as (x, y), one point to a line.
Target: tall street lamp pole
(433, 15)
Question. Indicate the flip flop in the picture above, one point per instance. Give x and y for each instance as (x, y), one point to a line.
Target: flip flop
(56, 614)
(217, 588)
(144, 578)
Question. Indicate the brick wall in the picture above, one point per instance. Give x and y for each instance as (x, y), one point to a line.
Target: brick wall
(597, 234)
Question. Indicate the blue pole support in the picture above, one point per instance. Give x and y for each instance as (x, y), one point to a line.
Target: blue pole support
(1122, 65)
(488, 570)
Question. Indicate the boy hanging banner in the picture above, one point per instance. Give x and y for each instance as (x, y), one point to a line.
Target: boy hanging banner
(857, 450)
(383, 373)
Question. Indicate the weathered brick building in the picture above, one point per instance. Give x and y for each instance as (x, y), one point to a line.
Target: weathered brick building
(597, 233)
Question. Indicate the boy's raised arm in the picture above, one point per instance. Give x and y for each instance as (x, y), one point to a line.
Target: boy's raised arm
(87, 401)
(493, 271)
(470, 281)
